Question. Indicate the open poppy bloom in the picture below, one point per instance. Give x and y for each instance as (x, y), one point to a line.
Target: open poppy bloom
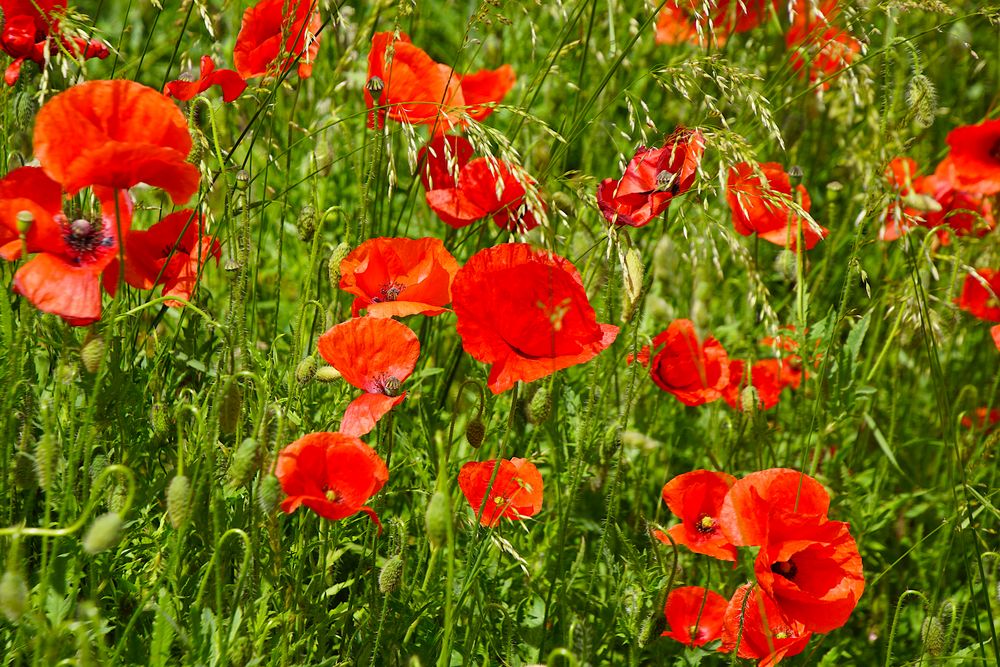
(231, 83)
(685, 20)
(765, 207)
(983, 418)
(408, 86)
(461, 190)
(694, 372)
(274, 35)
(64, 276)
(901, 176)
(652, 179)
(696, 497)
(980, 295)
(812, 569)
(375, 355)
(171, 253)
(819, 48)
(964, 213)
(768, 376)
(755, 626)
(973, 164)
(395, 277)
(26, 28)
(516, 492)
(694, 615)
(115, 134)
(752, 500)
(332, 474)
(525, 311)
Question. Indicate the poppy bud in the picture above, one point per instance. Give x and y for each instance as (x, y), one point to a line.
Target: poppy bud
(13, 595)
(475, 431)
(336, 257)
(25, 107)
(306, 370)
(540, 406)
(230, 407)
(179, 501)
(246, 460)
(375, 85)
(199, 144)
(242, 180)
(786, 265)
(103, 534)
(921, 99)
(749, 400)
(937, 631)
(159, 417)
(268, 431)
(306, 224)
(437, 517)
(92, 354)
(326, 374)
(391, 575)
(46, 454)
(268, 493)
(24, 471)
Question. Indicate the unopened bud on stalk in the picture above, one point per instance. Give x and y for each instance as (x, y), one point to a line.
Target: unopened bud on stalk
(24, 221)
(306, 224)
(749, 401)
(24, 471)
(326, 374)
(230, 407)
(246, 461)
(179, 501)
(268, 493)
(92, 354)
(336, 257)
(475, 432)
(25, 107)
(198, 145)
(103, 534)
(242, 180)
(46, 455)
(437, 517)
(306, 370)
(391, 575)
(921, 98)
(540, 406)
(13, 595)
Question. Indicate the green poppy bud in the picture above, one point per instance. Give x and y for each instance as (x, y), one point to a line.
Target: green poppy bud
(179, 501)
(13, 595)
(268, 493)
(326, 374)
(92, 354)
(391, 575)
(103, 534)
(306, 224)
(475, 432)
(306, 370)
(246, 461)
(437, 517)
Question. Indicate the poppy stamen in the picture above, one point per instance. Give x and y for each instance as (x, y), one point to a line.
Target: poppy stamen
(390, 292)
(389, 384)
(84, 239)
(786, 569)
(706, 524)
(331, 495)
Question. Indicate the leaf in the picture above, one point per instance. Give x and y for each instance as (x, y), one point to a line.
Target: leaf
(882, 443)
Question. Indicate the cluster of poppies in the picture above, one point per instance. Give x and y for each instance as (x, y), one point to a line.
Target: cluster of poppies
(807, 570)
(697, 372)
(818, 47)
(520, 309)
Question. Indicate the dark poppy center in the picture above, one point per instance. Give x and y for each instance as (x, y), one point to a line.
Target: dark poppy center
(995, 151)
(375, 85)
(390, 385)
(667, 182)
(85, 239)
(389, 292)
(705, 524)
(786, 569)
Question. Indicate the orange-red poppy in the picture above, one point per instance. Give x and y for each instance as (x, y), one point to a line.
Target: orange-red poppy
(332, 474)
(973, 164)
(752, 500)
(524, 310)
(26, 28)
(696, 497)
(812, 569)
(768, 376)
(964, 213)
(901, 176)
(516, 492)
(408, 86)
(980, 295)
(171, 253)
(461, 190)
(231, 83)
(375, 355)
(819, 48)
(115, 134)
(686, 20)
(652, 179)
(64, 276)
(694, 372)
(985, 419)
(694, 615)
(274, 35)
(395, 277)
(755, 627)
(764, 207)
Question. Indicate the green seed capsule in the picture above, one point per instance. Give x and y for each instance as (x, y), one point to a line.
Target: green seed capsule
(103, 534)
(306, 370)
(268, 493)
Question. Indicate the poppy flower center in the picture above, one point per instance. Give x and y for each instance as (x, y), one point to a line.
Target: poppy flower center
(331, 495)
(995, 150)
(375, 85)
(389, 385)
(787, 569)
(706, 524)
(389, 292)
(666, 182)
(85, 239)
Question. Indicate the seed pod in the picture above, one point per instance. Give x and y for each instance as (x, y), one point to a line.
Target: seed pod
(246, 461)
(327, 374)
(103, 534)
(230, 407)
(391, 575)
(13, 595)
(306, 370)
(268, 493)
(25, 220)
(306, 224)
(475, 432)
(375, 85)
(540, 406)
(46, 455)
(24, 471)
(242, 180)
(92, 354)
(437, 517)
(179, 501)
(333, 266)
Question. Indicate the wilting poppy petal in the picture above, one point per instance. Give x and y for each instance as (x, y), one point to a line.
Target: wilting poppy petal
(516, 492)
(231, 83)
(696, 497)
(752, 500)
(694, 615)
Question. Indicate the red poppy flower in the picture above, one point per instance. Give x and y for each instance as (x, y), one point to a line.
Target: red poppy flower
(525, 311)
(171, 253)
(765, 208)
(652, 179)
(963, 213)
(768, 376)
(812, 569)
(694, 615)
(973, 165)
(981, 295)
(332, 474)
(817, 46)
(752, 500)
(696, 497)
(461, 190)
(983, 418)
(231, 83)
(115, 134)
(410, 87)
(756, 628)
(64, 277)
(25, 31)
(995, 333)
(685, 20)
(395, 277)
(516, 492)
(373, 354)
(901, 173)
(676, 24)
(274, 35)
(695, 373)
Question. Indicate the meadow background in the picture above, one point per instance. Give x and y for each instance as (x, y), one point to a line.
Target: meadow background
(96, 429)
